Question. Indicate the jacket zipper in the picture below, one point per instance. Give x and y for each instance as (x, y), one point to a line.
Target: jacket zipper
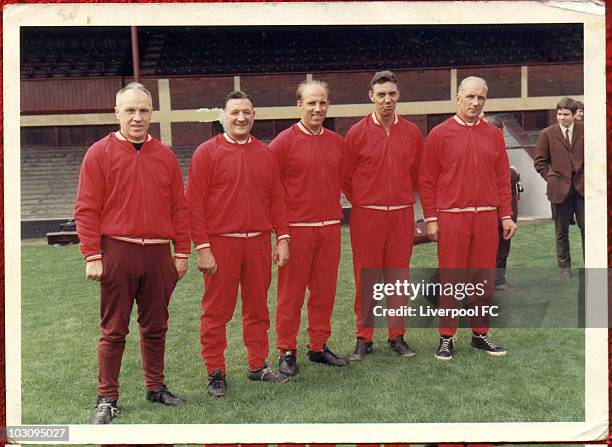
(472, 146)
(142, 190)
(248, 189)
(389, 165)
(321, 168)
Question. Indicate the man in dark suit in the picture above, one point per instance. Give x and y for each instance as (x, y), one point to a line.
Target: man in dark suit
(560, 161)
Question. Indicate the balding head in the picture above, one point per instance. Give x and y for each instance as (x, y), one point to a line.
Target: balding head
(312, 84)
(471, 98)
(133, 86)
(313, 102)
(471, 81)
(133, 110)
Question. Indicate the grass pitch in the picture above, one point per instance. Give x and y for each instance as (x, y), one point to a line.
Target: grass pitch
(540, 380)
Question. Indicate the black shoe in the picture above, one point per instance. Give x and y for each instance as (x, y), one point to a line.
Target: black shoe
(165, 397)
(326, 357)
(481, 341)
(445, 348)
(216, 383)
(287, 363)
(267, 374)
(400, 346)
(362, 348)
(106, 410)
(564, 272)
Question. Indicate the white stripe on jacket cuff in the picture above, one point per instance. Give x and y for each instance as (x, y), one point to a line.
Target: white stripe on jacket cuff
(95, 257)
(181, 255)
(204, 245)
(282, 236)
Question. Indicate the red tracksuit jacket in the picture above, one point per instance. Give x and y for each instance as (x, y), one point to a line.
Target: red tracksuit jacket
(381, 169)
(234, 188)
(465, 166)
(310, 171)
(125, 192)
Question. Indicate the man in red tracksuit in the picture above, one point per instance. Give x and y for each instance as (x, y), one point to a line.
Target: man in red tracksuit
(130, 206)
(309, 158)
(464, 185)
(235, 199)
(381, 160)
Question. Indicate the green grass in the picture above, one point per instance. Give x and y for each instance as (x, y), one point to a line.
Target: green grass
(540, 380)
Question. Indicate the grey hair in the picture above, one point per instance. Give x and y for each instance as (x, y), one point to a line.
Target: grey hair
(133, 86)
(470, 79)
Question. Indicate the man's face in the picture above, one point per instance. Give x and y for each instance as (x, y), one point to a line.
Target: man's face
(385, 97)
(471, 99)
(314, 105)
(579, 115)
(133, 110)
(239, 116)
(565, 117)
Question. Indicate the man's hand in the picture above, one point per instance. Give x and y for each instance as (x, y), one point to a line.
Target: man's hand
(509, 228)
(181, 264)
(206, 261)
(281, 253)
(93, 270)
(432, 230)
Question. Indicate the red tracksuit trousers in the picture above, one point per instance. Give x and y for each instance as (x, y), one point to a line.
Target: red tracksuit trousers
(315, 254)
(380, 240)
(146, 274)
(240, 261)
(467, 240)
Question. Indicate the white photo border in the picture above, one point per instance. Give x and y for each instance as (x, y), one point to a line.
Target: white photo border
(595, 425)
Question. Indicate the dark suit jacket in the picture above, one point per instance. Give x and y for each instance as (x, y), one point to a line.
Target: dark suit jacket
(554, 161)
